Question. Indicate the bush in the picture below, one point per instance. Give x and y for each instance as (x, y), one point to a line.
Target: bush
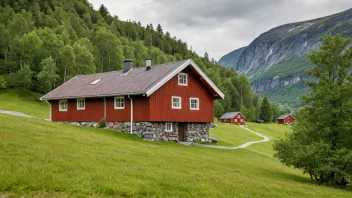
(102, 123)
(2, 82)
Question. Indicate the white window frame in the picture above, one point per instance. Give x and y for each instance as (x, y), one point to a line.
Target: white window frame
(119, 97)
(235, 119)
(60, 109)
(170, 124)
(190, 103)
(178, 79)
(238, 116)
(84, 104)
(241, 120)
(172, 102)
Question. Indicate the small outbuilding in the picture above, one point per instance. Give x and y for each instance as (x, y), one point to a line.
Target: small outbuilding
(233, 118)
(286, 119)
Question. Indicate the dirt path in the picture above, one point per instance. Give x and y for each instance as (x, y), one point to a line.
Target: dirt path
(245, 145)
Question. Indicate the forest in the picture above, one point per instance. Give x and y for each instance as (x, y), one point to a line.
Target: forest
(44, 43)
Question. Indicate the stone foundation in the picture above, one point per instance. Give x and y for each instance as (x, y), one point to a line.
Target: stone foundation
(194, 132)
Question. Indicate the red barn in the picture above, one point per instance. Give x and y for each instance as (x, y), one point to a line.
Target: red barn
(233, 118)
(286, 119)
(173, 101)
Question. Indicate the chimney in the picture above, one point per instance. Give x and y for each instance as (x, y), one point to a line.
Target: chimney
(127, 65)
(148, 63)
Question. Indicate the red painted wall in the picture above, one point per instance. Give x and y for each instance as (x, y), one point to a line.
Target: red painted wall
(235, 120)
(94, 111)
(160, 101)
(288, 120)
(156, 107)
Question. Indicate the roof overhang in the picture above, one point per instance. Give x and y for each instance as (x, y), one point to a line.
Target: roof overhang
(179, 69)
(96, 96)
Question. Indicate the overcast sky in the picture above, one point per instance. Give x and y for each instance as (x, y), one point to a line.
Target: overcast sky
(220, 26)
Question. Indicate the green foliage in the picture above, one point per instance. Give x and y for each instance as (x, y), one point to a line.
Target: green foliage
(101, 123)
(266, 113)
(47, 77)
(320, 143)
(2, 82)
(21, 79)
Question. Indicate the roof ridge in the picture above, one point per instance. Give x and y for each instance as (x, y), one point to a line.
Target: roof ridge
(141, 67)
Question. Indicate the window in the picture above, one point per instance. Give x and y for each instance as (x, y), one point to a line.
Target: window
(95, 82)
(119, 102)
(168, 127)
(235, 120)
(176, 102)
(241, 120)
(81, 104)
(63, 105)
(239, 116)
(182, 79)
(194, 103)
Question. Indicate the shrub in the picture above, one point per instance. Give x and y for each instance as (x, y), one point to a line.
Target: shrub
(101, 123)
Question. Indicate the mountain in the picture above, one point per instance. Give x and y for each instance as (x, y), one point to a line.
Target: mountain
(276, 61)
(231, 57)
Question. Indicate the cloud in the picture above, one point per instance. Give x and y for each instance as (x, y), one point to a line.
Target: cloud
(221, 26)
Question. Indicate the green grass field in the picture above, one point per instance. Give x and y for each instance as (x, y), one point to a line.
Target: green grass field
(25, 102)
(232, 135)
(43, 159)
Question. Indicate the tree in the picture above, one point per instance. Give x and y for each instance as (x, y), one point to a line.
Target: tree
(67, 60)
(159, 29)
(22, 78)
(321, 141)
(265, 110)
(103, 10)
(2, 82)
(47, 77)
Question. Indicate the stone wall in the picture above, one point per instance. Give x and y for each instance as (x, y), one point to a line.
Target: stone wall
(194, 132)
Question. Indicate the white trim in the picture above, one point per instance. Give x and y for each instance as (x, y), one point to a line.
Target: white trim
(119, 97)
(60, 105)
(131, 109)
(166, 127)
(179, 69)
(190, 103)
(178, 79)
(50, 112)
(77, 103)
(172, 102)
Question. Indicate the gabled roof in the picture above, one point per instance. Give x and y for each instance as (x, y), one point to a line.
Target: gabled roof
(137, 81)
(284, 116)
(230, 115)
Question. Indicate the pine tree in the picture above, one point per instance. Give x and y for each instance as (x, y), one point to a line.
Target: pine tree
(265, 111)
(321, 141)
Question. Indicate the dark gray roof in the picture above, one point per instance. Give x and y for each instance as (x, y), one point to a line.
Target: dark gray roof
(136, 81)
(284, 116)
(229, 115)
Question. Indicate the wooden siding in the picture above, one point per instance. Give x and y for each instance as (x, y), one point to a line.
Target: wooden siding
(140, 110)
(160, 101)
(287, 120)
(235, 120)
(94, 111)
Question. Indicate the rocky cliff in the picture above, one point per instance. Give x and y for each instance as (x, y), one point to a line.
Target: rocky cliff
(278, 57)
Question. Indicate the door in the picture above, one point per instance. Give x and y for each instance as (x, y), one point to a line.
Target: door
(181, 132)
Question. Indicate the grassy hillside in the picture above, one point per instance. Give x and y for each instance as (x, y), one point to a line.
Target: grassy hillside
(232, 135)
(46, 159)
(24, 101)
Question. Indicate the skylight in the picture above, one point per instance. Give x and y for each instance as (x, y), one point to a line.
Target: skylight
(95, 82)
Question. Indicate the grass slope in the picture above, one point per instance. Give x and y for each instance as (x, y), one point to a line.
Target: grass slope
(40, 158)
(232, 135)
(23, 101)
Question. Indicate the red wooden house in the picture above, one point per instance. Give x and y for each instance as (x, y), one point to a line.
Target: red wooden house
(286, 119)
(173, 101)
(233, 118)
